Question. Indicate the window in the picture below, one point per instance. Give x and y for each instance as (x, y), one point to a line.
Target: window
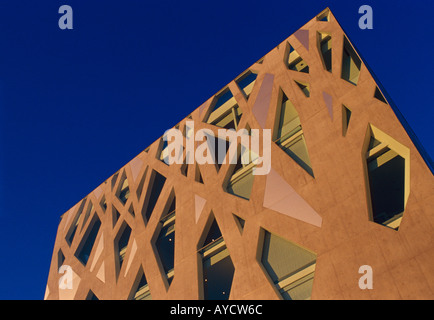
(294, 61)
(131, 211)
(324, 16)
(91, 296)
(290, 267)
(305, 88)
(346, 116)
(246, 82)
(87, 213)
(387, 167)
(184, 168)
(60, 258)
(165, 245)
(226, 112)
(198, 175)
(115, 216)
(121, 244)
(351, 63)
(378, 95)
(217, 267)
(164, 153)
(103, 204)
(218, 151)
(143, 292)
(77, 219)
(240, 222)
(156, 186)
(140, 290)
(325, 49)
(241, 180)
(85, 248)
(288, 134)
(124, 190)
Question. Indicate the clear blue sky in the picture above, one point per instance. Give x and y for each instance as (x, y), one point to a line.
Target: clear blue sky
(76, 105)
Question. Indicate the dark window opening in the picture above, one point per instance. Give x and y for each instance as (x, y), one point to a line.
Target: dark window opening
(246, 83)
(289, 136)
(351, 63)
(122, 244)
(295, 62)
(165, 245)
(157, 184)
(140, 290)
(217, 266)
(378, 95)
(91, 296)
(325, 44)
(85, 248)
(346, 116)
(387, 184)
(124, 192)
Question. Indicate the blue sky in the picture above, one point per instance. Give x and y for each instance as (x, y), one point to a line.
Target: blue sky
(76, 105)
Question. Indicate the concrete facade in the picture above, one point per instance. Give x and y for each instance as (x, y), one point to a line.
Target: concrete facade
(328, 213)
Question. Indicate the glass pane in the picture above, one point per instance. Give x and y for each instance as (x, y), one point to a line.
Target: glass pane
(242, 187)
(299, 290)
(155, 191)
(84, 254)
(387, 184)
(218, 273)
(166, 246)
(326, 50)
(297, 150)
(282, 258)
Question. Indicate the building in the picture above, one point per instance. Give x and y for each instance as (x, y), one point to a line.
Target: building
(345, 212)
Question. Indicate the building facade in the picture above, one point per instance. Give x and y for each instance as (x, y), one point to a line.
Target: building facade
(345, 211)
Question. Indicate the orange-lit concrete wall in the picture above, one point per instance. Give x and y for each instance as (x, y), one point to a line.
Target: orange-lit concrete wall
(402, 261)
